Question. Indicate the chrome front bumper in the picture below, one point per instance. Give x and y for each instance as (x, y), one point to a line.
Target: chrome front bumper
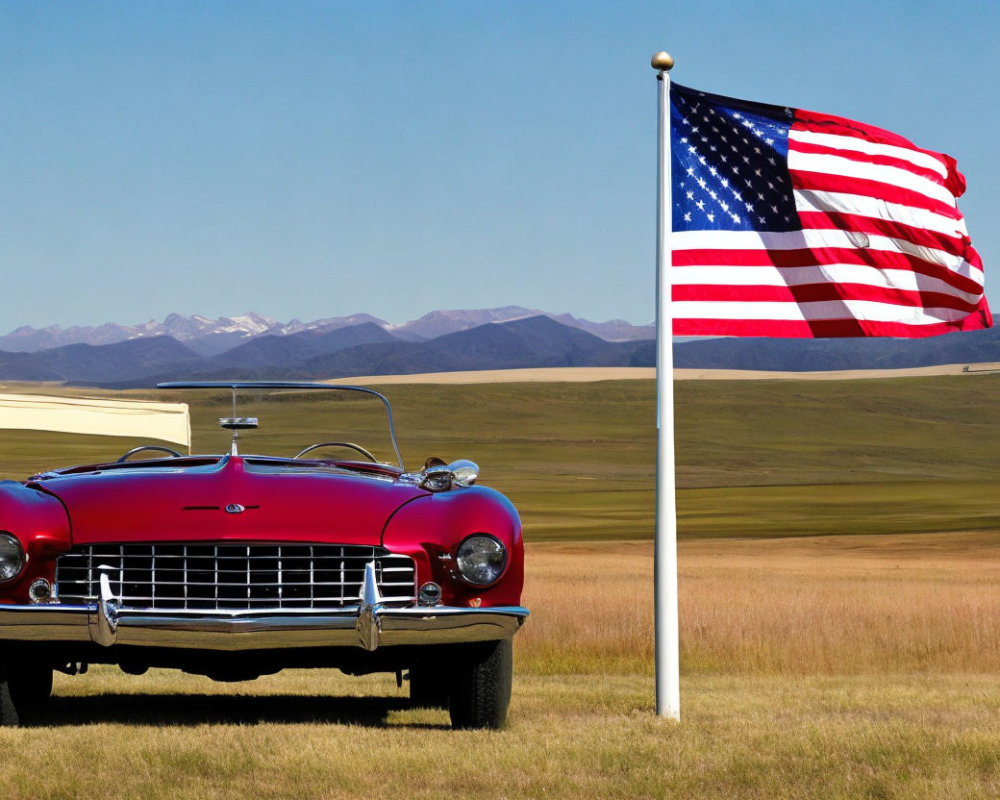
(368, 625)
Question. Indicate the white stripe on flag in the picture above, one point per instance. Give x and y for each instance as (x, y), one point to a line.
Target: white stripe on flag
(915, 157)
(901, 279)
(848, 168)
(814, 312)
(818, 239)
(842, 202)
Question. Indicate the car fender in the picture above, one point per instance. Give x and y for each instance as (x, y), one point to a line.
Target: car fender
(40, 524)
(430, 529)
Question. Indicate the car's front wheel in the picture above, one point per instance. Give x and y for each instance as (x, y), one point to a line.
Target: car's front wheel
(480, 692)
(24, 690)
(8, 713)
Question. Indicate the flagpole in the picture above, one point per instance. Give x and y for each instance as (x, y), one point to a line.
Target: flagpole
(668, 694)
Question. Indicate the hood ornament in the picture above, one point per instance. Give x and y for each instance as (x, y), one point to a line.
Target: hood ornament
(237, 424)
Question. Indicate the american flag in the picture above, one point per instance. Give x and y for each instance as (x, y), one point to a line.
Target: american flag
(790, 223)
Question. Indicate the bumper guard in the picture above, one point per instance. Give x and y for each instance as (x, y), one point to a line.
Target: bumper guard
(369, 624)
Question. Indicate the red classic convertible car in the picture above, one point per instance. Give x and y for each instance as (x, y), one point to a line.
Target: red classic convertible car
(235, 566)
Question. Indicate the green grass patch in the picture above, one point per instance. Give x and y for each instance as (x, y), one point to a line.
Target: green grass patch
(578, 459)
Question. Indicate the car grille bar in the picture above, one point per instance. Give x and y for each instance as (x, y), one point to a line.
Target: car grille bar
(226, 576)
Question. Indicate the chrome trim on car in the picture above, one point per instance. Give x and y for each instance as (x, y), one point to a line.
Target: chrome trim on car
(369, 624)
(464, 471)
(217, 576)
(442, 477)
(258, 630)
(40, 591)
(106, 617)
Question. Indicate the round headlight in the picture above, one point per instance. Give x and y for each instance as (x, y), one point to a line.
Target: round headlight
(481, 559)
(11, 557)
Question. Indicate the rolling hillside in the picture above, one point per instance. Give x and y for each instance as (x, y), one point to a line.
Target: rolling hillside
(371, 347)
(359, 349)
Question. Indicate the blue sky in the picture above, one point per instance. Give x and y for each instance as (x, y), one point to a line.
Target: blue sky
(312, 159)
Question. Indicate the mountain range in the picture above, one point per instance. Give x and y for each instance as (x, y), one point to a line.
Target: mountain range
(328, 349)
(209, 337)
(255, 347)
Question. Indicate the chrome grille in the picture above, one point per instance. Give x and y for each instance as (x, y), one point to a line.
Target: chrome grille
(232, 576)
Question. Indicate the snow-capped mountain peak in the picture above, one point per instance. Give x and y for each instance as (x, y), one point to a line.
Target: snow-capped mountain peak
(209, 336)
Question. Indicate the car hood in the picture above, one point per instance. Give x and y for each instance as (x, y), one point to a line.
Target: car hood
(234, 499)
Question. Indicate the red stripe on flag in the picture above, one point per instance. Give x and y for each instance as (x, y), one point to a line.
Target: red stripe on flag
(866, 187)
(824, 329)
(839, 126)
(794, 329)
(835, 221)
(791, 259)
(818, 293)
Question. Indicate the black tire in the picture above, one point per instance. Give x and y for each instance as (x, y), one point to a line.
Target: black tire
(8, 713)
(428, 687)
(480, 692)
(30, 685)
(24, 691)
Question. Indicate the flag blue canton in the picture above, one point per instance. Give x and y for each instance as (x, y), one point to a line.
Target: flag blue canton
(729, 165)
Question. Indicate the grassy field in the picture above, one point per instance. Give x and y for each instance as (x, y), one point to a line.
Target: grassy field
(816, 663)
(753, 737)
(829, 667)
(754, 458)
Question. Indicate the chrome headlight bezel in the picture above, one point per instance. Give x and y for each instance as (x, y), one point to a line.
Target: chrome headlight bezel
(12, 557)
(481, 559)
(436, 479)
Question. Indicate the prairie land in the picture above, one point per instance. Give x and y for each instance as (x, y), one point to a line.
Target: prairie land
(754, 458)
(840, 631)
(810, 668)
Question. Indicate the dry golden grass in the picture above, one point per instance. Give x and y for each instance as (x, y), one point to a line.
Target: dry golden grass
(570, 736)
(837, 667)
(591, 608)
(835, 605)
(819, 605)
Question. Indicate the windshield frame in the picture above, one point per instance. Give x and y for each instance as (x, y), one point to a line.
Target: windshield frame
(237, 385)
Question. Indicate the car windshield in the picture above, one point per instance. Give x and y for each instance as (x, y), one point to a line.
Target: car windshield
(307, 420)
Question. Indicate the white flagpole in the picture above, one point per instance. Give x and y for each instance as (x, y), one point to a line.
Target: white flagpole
(668, 692)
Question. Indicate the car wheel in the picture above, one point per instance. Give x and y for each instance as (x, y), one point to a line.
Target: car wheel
(30, 685)
(480, 692)
(428, 688)
(26, 688)
(8, 714)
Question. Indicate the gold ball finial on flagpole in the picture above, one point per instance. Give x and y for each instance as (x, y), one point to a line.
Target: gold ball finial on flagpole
(662, 61)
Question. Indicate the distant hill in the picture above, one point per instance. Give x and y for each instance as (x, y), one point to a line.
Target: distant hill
(110, 363)
(532, 342)
(272, 350)
(335, 350)
(440, 323)
(211, 337)
(360, 349)
(807, 355)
